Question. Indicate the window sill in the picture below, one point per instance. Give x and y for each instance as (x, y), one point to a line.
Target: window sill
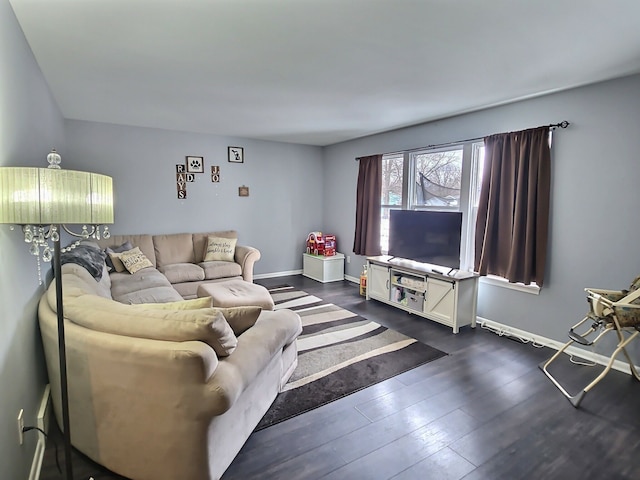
(502, 282)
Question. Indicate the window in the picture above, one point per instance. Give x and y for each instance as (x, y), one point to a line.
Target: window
(434, 179)
(392, 193)
(438, 179)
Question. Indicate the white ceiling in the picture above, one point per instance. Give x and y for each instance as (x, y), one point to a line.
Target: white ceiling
(318, 72)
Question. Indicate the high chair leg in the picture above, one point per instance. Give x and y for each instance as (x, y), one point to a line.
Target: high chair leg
(577, 398)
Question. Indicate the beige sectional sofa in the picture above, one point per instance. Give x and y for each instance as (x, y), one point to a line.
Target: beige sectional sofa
(157, 392)
(179, 257)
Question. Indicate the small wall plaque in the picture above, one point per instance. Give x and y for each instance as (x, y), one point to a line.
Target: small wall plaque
(215, 173)
(243, 191)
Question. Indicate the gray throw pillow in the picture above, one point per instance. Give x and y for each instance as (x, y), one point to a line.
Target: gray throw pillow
(126, 246)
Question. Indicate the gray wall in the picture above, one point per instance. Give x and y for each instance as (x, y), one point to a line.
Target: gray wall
(284, 180)
(297, 189)
(30, 125)
(595, 190)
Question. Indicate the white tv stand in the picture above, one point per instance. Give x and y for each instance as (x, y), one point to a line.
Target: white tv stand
(415, 287)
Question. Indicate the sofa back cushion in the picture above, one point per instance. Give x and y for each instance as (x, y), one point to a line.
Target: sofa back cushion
(77, 278)
(200, 241)
(100, 314)
(144, 242)
(173, 248)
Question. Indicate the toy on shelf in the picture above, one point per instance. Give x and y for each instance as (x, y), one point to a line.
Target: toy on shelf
(319, 244)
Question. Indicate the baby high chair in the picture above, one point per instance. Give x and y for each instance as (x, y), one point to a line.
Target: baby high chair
(610, 311)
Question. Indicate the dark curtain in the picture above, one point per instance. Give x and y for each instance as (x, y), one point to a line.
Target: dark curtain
(513, 211)
(367, 234)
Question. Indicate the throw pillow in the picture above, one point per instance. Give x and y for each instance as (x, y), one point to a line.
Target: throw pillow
(134, 260)
(240, 318)
(219, 248)
(117, 263)
(87, 256)
(192, 304)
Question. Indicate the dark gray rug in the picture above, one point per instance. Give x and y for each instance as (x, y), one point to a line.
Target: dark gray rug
(339, 353)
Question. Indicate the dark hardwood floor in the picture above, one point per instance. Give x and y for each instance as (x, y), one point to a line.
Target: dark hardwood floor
(485, 411)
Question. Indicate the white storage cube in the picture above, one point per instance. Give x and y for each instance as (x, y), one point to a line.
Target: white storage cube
(323, 269)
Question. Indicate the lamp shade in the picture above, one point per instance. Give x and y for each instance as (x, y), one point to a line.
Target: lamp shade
(49, 196)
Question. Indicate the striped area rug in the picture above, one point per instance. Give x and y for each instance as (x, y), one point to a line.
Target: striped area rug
(339, 352)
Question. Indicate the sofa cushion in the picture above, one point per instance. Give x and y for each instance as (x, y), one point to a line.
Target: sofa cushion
(145, 286)
(219, 248)
(192, 304)
(173, 248)
(150, 295)
(134, 260)
(219, 269)
(200, 241)
(182, 272)
(100, 314)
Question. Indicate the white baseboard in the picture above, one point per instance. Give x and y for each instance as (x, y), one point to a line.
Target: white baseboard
(547, 342)
(278, 274)
(42, 422)
(298, 272)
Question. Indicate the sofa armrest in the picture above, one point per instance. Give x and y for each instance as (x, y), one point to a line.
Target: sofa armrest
(246, 257)
(257, 347)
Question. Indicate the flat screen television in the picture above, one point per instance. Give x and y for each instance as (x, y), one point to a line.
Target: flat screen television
(426, 236)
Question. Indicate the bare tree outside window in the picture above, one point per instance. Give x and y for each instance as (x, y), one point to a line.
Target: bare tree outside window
(392, 178)
(392, 172)
(438, 178)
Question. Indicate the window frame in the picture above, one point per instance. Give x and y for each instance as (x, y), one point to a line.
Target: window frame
(472, 167)
(469, 175)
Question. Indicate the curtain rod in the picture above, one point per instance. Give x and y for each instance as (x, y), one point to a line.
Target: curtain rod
(552, 126)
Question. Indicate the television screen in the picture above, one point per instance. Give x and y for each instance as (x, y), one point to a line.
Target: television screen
(426, 236)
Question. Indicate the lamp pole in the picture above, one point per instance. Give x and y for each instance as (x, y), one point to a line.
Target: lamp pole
(62, 352)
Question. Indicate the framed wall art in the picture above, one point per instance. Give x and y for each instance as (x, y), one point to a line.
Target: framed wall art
(243, 191)
(236, 154)
(195, 164)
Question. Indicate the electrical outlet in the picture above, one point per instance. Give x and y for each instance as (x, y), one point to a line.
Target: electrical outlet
(21, 426)
(348, 259)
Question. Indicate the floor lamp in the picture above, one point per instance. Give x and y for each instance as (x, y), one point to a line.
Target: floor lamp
(44, 201)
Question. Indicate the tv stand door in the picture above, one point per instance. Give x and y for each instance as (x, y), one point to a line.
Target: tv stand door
(440, 301)
(378, 282)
